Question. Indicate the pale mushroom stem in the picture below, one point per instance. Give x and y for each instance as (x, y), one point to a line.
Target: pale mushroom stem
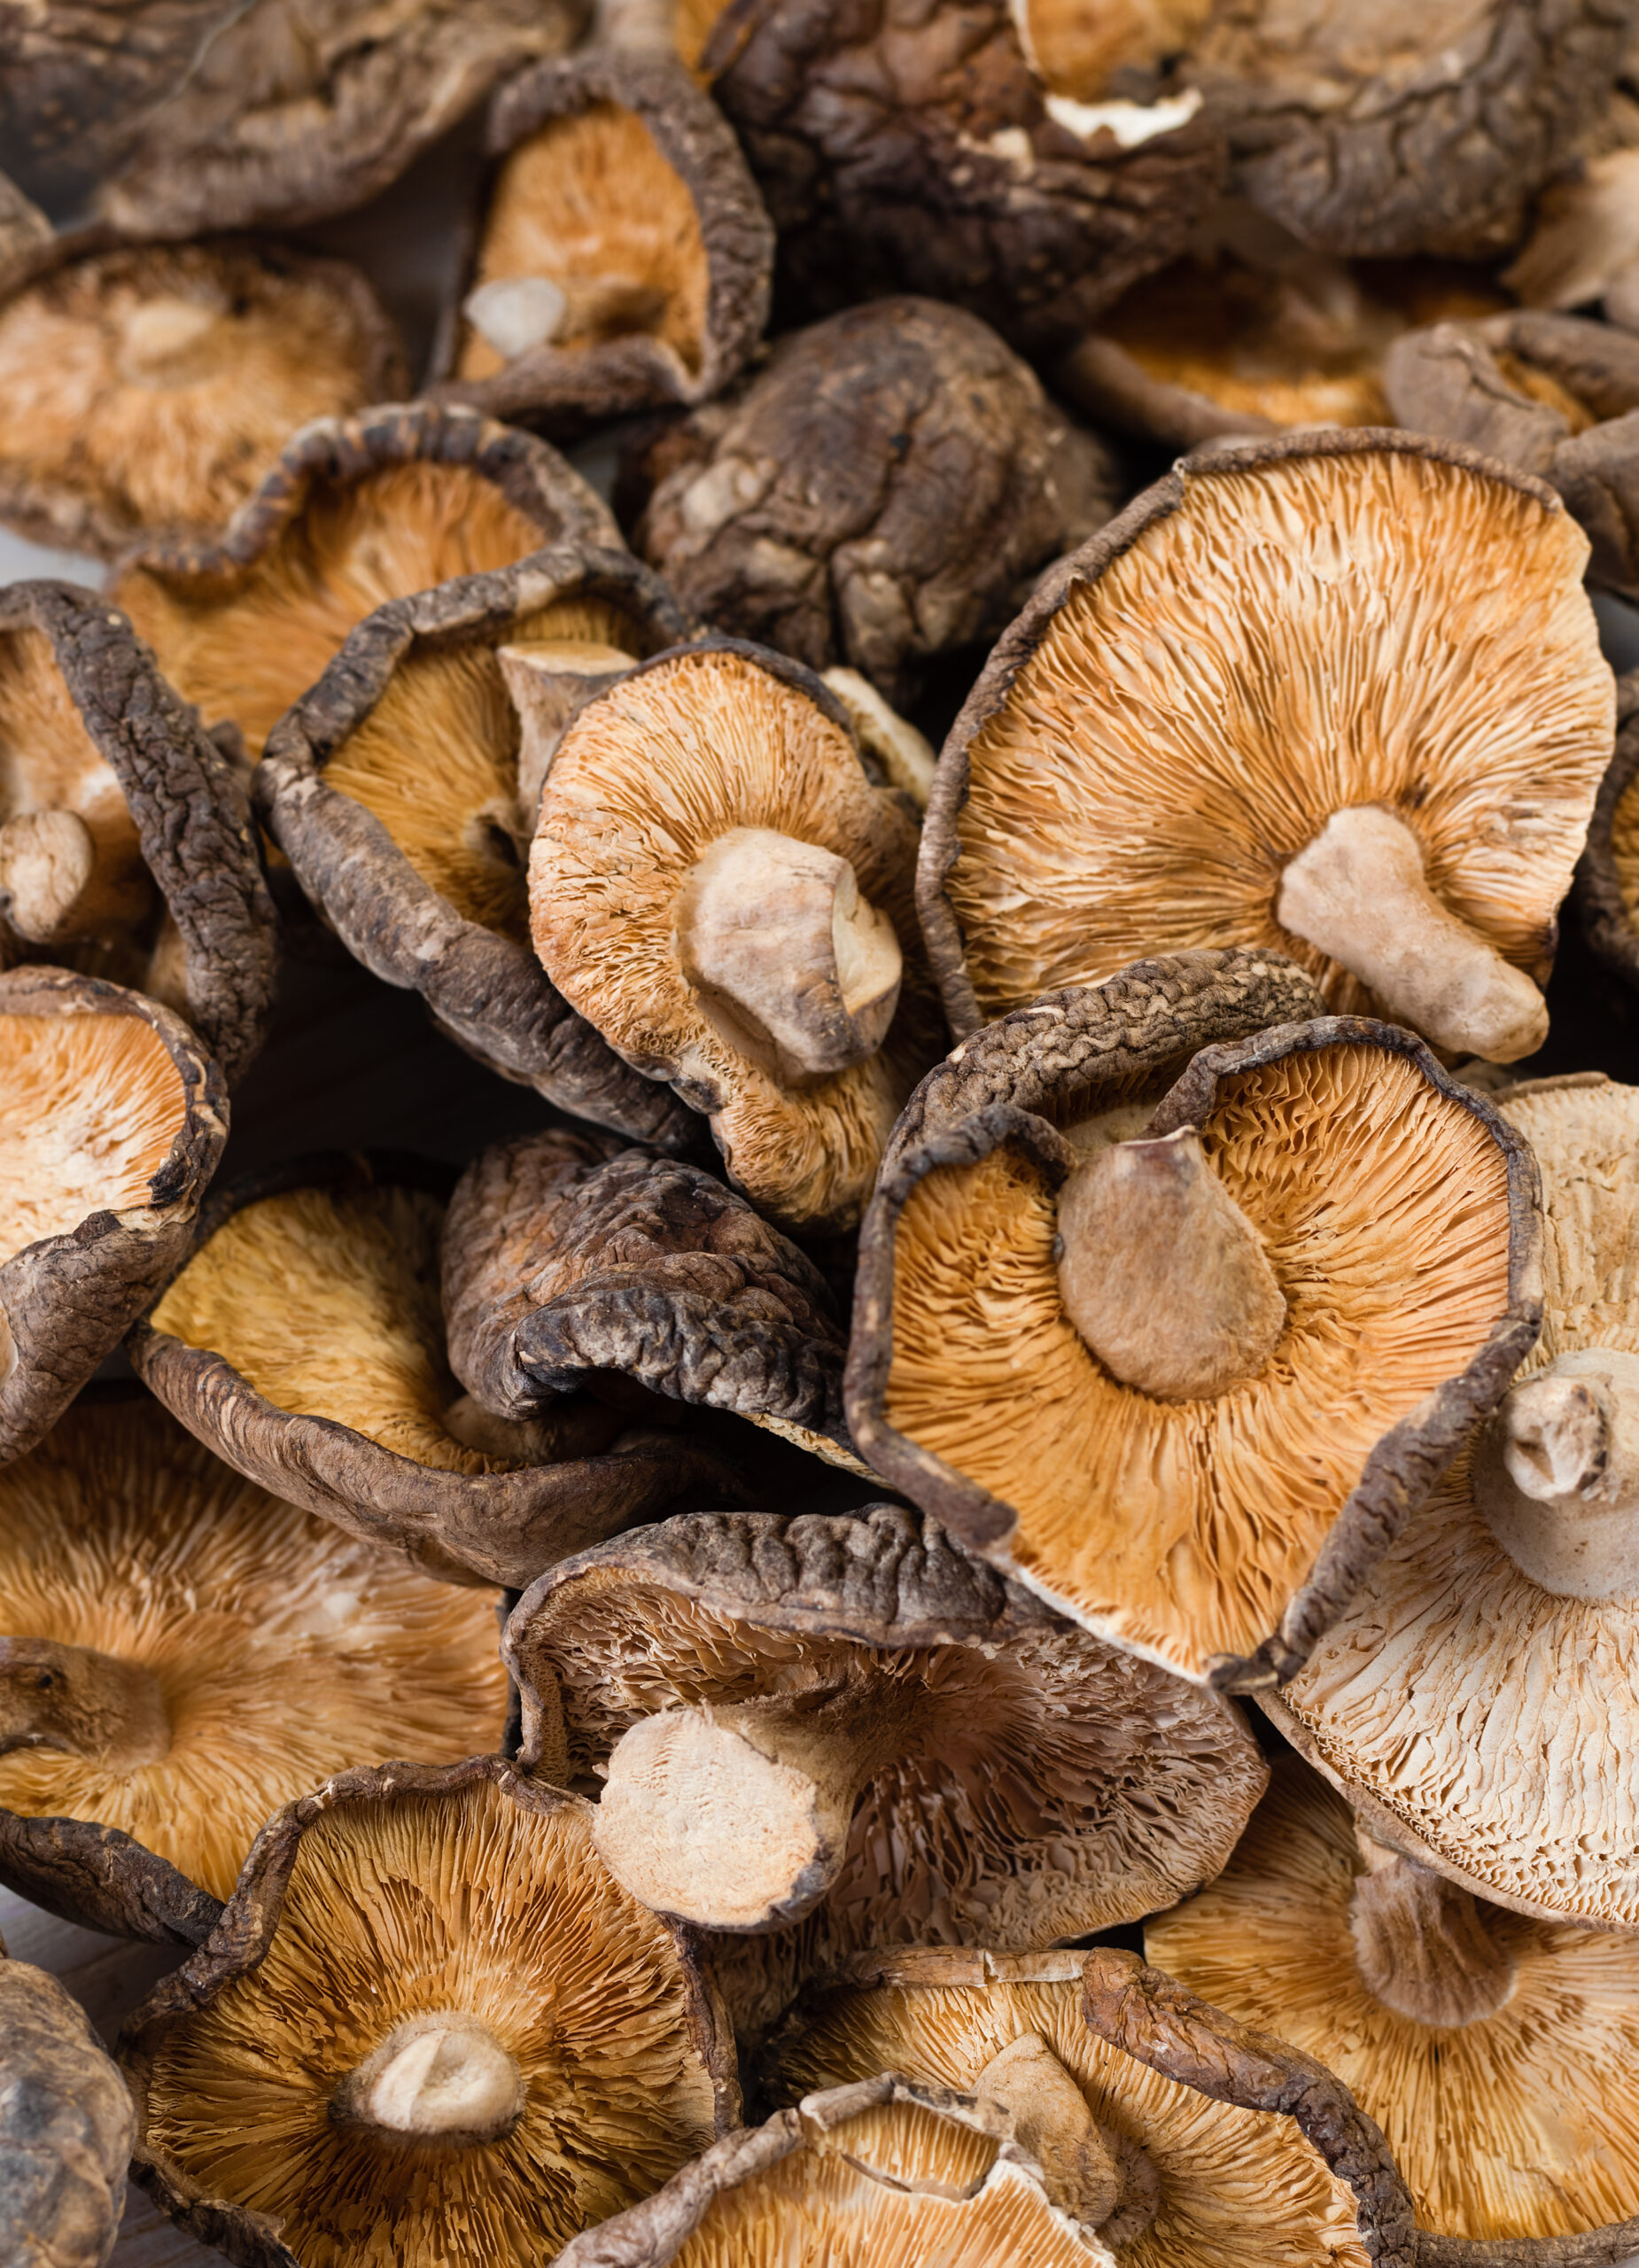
(440, 2077)
(90, 1705)
(1161, 1272)
(550, 680)
(1556, 1474)
(1096, 2177)
(737, 1817)
(47, 862)
(1359, 893)
(1422, 1944)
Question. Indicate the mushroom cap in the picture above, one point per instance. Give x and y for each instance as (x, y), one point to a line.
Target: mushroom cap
(392, 788)
(304, 1343)
(884, 490)
(93, 729)
(112, 1121)
(1250, 2167)
(1585, 244)
(146, 389)
(66, 2127)
(1463, 2106)
(647, 777)
(1450, 1655)
(1267, 636)
(1045, 1785)
(1607, 874)
(390, 1896)
(1149, 1520)
(283, 1650)
(357, 510)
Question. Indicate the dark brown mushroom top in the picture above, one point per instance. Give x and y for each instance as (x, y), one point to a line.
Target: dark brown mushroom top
(1607, 875)
(884, 490)
(66, 2126)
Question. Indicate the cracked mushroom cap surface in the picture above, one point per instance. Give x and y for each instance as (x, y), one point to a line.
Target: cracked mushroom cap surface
(884, 490)
(1339, 695)
(66, 2127)
(447, 2032)
(127, 850)
(145, 390)
(1504, 2125)
(1453, 1654)
(718, 886)
(1183, 2139)
(111, 1122)
(182, 1653)
(828, 1733)
(1378, 1287)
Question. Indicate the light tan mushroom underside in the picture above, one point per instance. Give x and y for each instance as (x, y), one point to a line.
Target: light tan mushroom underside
(90, 1108)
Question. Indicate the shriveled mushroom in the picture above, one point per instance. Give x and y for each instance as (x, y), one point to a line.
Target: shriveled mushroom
(1163, 2130)
(180, 1653)
(1484, 2045)
(828, 1733)
(718, 889)
(445, 2032)
(1342, 695)
(1607, 875)
(145, 391)
(65, 2128)
(112, 1121)
(1584, 244)
(883, 491)
(1188, 1377)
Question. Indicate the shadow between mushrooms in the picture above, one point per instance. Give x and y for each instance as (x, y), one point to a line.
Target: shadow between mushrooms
(1189, 1378)
(1607, 875)
(449, 2036)
(66, 2127)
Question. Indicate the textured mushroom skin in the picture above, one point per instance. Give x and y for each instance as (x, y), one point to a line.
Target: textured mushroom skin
(101, 1878)
(65, 2128)
(1606, 910)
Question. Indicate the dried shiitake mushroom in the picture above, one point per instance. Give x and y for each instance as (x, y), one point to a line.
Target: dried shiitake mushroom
(1187, 1377)
(65, 2128)
(145, 390)
(624, 257)
(402, 788)
(884, 490)
(182, 1653)
(718, 888)
(1584, 246)
(1500, 1623)
(126, 845)
(112, 1121)
(1486, 2046)
(1163, 2129)
(304, 1343)
(828, 1733)
(1342, 695)
(1607, 875)
(446, 2034)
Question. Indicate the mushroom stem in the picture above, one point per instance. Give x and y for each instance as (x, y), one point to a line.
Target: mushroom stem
(551, 680)
(775, 933)
(94, 1705)
(1556, 1474)
(1422, 1944)
(738, 1817)
(1161, 1272)
(47, 860)
(1358, 892)
(440, 2078)
(1099, 2177)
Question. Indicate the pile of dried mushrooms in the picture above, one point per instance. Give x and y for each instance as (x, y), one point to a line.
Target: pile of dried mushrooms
(929, 1551)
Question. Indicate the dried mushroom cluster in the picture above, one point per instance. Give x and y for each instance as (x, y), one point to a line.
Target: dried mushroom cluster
(1040, 1355)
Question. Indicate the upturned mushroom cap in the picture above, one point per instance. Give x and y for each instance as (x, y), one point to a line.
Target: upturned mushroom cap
(1282, 1940)
(145, 391)
(1299, 695)
(1398, 1218)
(180, 1653)
(112, 1121)
(65, 2128)
(1502, 1620)
(883, 491)
(1219, 2144)
(717, 885)
(446, 2030)
(849, 1725)
(303, 1342)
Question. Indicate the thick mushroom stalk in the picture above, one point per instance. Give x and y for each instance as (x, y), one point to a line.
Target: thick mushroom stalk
(551, 680)
(775, 932)
(441, 2077)
(1556, 1475)
(1359, 893)
(1099, 2177)
(1422, 1944)
(96, 1705)
(47, 861)
(165, 341)
(1161, 1272)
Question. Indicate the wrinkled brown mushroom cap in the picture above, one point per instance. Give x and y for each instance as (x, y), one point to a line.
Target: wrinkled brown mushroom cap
(145, 390)
(182, 1653)
(112, 1121)
(1607, 874)
(1151, 1520)
(65, 2128)
(467, 1904)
